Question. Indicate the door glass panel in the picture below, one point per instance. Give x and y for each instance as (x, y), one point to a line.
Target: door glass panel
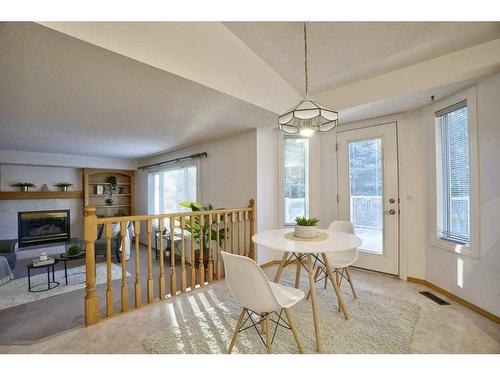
(366, 191)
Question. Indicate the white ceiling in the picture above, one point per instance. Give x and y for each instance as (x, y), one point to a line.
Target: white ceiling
(344, 52)
(62, 95)
(135, 89)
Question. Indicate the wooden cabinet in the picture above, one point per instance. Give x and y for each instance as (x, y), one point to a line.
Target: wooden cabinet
(96, 192)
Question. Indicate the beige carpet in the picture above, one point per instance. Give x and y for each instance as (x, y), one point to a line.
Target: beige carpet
(377, 324)
(16, 292)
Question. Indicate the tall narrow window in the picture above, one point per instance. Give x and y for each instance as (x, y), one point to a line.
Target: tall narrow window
(453, 174)
(295, 178)
(170, 187)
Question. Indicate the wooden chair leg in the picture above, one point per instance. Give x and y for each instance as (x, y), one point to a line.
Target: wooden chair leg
(350, 282)
(335, 286)
(316, 276)
(326, 280)
(236, 330)
(294, 331)
(297, 275)
(277, 277)
(337, 280)
(269, 337)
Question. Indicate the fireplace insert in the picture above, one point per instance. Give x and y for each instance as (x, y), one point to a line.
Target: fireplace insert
(41, 227)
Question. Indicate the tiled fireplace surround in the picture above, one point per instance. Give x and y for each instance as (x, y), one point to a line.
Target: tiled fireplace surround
(8, 219)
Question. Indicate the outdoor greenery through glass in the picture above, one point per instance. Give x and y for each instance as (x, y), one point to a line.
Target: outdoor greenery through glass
(295, 178)
(366, 192)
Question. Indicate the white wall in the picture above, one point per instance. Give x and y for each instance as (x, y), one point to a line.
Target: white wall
(412, 176)
(267, 188)
(480, 277)
(63, 160)
(228, 174)
(11, 174)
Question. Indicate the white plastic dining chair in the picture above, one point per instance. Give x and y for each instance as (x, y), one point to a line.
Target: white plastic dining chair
(339, 260)
(248, 284)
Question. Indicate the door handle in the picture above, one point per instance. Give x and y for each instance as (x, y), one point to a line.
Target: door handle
(392, 211)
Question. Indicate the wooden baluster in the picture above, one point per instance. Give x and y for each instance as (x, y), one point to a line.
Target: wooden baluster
(245, 234)
(109, 287)
(225, 234)
(231, 230)
(149, 231)
(210, 260)
(238, 220)
(252, 253)
(138, 288)
(173, 276)
(193, 270)
(218, 265)
(123, 232)
(160, 250)
(225, 231)
(183, 255)
(90, 235)
(201, 243)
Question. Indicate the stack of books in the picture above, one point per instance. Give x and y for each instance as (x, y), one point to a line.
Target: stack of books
(38, 262)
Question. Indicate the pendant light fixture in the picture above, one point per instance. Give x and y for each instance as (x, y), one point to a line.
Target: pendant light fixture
(307, 117)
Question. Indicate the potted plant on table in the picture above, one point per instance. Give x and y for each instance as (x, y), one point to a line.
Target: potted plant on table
(306, 228)
(63, 186)
(24, 185)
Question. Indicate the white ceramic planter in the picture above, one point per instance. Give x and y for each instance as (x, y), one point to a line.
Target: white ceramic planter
(302, 231)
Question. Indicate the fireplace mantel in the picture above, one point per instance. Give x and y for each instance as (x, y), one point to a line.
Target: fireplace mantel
(9, 195)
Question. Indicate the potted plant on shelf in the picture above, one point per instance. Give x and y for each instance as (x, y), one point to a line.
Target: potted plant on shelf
(306, 228)
(200, 233)
(111, 188)
(63, 186)
(24, 185)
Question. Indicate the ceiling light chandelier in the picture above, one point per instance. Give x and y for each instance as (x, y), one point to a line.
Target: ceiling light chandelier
(307, 117)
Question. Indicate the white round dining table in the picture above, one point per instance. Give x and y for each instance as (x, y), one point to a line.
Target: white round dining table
(301, 253)
(336, 241)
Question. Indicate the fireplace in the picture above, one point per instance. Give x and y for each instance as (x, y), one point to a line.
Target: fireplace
(41, 227)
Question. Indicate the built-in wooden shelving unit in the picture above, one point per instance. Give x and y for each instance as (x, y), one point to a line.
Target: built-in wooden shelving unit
(4, 195)
(123, 201)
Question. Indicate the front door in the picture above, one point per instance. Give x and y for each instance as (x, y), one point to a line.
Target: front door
(368, 193)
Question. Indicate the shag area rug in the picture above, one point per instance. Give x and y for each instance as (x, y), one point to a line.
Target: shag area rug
(377, 324)
(16, 292)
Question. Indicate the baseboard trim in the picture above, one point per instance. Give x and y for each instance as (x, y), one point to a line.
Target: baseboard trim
(455, 298)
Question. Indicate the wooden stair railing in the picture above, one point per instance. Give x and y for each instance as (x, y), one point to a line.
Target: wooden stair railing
(209, 224)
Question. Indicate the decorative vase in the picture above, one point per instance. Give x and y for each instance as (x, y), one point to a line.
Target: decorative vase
(109, 201)
(64, 188)
(308, 232)
(24, 188)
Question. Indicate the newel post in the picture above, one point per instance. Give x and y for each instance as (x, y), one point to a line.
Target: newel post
(252, 228)
(90, 235)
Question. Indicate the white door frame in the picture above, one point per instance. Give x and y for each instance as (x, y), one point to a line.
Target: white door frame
(400, 253)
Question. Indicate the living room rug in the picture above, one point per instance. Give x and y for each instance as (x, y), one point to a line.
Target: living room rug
(377, 324)
(16, 292)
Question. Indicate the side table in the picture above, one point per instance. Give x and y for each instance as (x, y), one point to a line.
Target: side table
(50, 284)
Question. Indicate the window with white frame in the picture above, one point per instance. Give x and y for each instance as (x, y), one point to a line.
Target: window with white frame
(295, 178)
(167, 188)
(454, 177)
(453, 173)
